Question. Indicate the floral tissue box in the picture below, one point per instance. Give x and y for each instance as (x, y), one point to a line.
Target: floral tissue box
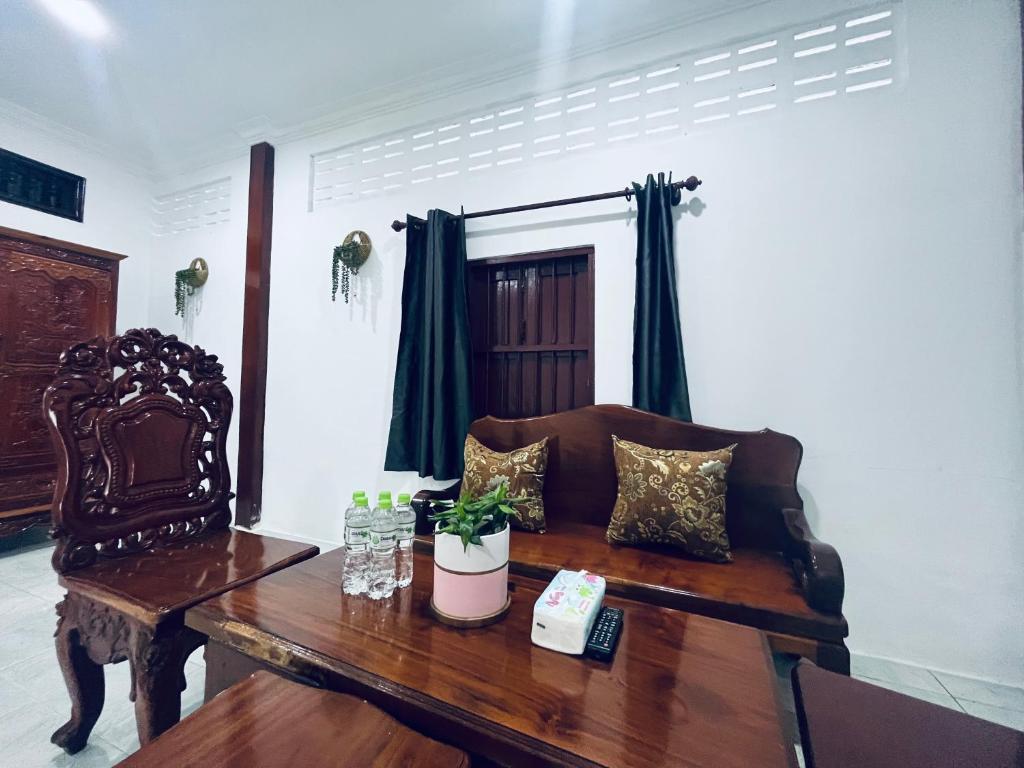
(565, 612)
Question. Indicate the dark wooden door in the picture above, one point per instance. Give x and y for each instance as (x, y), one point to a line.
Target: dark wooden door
(52, 294)
(532, 323)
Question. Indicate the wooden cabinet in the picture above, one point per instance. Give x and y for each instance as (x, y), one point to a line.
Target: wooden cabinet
(52, 294)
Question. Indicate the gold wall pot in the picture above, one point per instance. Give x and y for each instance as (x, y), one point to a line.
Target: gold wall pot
(202, 271)
(360, 238)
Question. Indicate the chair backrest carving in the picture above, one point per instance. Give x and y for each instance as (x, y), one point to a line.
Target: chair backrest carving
(581, 485)
(140, 448)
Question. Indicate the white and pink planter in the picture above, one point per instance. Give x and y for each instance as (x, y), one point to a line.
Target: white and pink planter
(470, 585)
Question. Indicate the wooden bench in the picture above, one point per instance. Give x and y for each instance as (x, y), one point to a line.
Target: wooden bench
(847, 723)
(782, 579)
(269, 721)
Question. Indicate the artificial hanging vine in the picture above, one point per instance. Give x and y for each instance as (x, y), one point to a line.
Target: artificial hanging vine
(348, 258)
(186, 281)
(342, 269)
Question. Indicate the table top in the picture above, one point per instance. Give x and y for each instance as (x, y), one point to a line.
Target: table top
(157, 582)
(310, 727)
(682, 690)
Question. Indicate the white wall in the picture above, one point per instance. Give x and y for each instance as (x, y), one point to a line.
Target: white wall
(213, 316)
(853, 278)
(116, 208)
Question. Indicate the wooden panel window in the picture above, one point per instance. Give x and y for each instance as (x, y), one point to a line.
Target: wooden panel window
(27, 182)
(532, 323)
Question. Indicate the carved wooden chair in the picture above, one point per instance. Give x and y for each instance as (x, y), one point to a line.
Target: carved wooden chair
(140, 514)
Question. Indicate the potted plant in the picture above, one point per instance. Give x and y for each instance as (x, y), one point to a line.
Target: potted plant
(471, 556)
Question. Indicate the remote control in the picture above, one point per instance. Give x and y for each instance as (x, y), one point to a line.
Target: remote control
(605, 634)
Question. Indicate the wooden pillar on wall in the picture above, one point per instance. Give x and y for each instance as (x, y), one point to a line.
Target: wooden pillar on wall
(249, 504)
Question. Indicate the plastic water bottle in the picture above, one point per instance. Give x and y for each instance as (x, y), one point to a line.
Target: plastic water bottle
(354, 580)
(382, 550)
(405, 519)
(355, 497)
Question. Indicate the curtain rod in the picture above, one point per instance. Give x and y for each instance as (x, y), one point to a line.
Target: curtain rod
(691, 184)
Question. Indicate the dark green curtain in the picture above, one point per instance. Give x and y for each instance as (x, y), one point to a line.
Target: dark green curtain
(659, 370)
(432, 405)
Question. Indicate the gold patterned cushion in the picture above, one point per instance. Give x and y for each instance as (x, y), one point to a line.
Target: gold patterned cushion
(523, 468)
(671, 497)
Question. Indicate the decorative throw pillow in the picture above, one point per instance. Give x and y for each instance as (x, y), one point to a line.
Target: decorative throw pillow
(524, 470)
(671, 497)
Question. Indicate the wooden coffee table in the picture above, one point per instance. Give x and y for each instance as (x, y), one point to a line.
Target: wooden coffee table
(683, 690)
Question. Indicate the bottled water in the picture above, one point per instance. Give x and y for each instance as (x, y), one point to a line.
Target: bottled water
(382, 550)
(354, 579)
(356, 495)
(405, 519)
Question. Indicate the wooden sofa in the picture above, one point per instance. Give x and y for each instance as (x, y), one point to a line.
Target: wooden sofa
(782, 580)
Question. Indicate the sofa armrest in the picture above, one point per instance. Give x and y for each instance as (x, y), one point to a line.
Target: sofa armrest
(421, 505)
(816, 564)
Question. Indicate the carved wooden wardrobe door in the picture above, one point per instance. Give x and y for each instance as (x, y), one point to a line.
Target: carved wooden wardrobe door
(52, 294)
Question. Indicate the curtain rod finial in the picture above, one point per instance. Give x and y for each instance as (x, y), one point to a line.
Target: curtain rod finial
(398, 226)
(692, 183)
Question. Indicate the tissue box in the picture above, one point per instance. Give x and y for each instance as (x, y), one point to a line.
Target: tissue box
(565, 612)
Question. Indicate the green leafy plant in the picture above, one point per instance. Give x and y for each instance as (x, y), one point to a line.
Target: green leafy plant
(346, 262)
(185, 283)
(470, 518)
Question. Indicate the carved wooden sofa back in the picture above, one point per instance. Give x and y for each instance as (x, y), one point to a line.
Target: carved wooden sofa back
(581, 484)
(140, 448)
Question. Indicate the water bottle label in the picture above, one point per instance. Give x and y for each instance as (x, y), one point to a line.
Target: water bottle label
(357, 535)
(382, 539)
(404, 532)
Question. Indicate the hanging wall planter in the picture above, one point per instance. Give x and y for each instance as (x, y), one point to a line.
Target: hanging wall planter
(348, 258)
(186, 281)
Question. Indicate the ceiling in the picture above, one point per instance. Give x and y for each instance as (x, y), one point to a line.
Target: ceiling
(176, 82)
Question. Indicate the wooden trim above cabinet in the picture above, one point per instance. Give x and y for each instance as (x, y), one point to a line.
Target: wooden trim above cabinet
(72, 253)
(59, 245)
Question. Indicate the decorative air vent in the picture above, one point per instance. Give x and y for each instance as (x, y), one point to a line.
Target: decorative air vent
(838, 57)
(190, 209)
(27, 182)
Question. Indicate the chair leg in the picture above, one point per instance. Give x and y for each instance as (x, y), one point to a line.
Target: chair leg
(156, 680)
(84, 680)
(192, 642)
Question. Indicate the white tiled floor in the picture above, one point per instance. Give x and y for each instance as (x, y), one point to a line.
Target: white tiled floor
(34, 702)
(1001, 704)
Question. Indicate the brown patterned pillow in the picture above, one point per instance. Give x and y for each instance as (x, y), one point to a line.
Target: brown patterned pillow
(523, 468)
(671, 497)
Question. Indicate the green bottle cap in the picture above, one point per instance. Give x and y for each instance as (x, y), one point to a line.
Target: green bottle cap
(362, 501)
(357, 494)
(404, 498)
(384, 495)
(384, 503)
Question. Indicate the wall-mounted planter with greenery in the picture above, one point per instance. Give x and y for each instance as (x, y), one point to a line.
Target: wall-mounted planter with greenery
(187, 280)
(348, 258)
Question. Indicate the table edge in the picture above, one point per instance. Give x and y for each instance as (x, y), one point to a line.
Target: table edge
(281, 653)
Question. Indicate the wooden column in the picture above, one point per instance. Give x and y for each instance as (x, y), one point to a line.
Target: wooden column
(249, 504)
